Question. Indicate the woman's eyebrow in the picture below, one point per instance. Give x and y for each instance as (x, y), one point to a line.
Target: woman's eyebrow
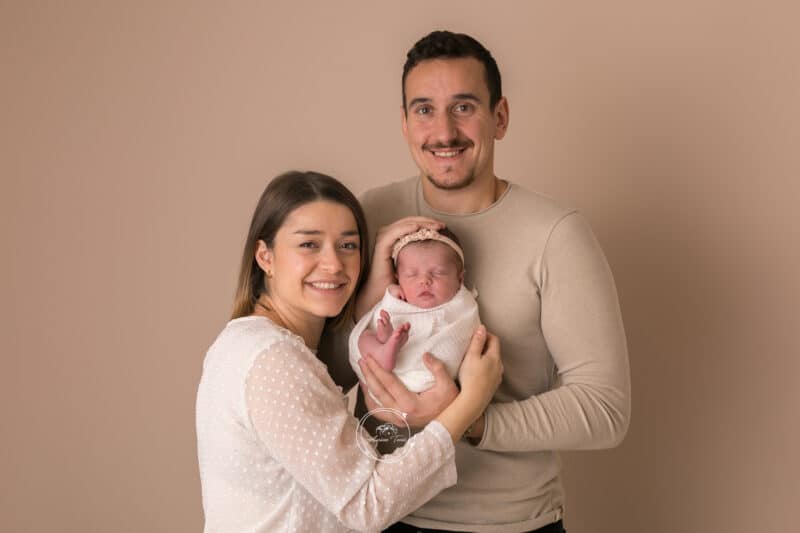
(347, 233)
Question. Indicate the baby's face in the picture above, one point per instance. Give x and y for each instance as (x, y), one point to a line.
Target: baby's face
(429, 273)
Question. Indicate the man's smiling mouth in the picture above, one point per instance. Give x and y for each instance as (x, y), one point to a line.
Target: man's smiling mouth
(447, 153)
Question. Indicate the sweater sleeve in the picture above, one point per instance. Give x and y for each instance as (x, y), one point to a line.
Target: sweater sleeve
(301, 420)
(582, 326)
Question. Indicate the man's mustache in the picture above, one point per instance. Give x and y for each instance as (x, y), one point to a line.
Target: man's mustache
(458, 145)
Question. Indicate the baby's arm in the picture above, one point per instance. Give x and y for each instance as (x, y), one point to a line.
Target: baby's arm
(384, 343)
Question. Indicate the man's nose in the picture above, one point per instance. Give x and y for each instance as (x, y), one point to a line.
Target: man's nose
(444, 128)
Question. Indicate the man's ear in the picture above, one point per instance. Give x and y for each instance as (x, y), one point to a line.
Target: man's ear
(501, 118)
(264, 257)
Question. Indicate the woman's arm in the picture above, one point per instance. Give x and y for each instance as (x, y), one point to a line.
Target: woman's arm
(300, 418)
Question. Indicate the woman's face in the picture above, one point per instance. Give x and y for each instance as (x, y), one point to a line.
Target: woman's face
(315, 261)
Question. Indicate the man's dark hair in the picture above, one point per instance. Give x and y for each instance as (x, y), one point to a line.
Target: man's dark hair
(446, 44)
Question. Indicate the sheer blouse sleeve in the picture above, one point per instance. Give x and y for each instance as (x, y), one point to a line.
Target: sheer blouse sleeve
(299, 415)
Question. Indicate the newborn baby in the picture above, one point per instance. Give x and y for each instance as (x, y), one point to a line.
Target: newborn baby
(430, 310)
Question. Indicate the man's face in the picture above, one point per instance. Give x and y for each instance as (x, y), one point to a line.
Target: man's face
(448, 123)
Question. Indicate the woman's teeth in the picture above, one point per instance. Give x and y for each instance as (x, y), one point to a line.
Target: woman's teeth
(323, 285)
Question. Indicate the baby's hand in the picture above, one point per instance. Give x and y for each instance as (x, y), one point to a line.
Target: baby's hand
(397, 292)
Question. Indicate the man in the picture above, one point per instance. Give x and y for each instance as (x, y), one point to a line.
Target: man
(544, 287)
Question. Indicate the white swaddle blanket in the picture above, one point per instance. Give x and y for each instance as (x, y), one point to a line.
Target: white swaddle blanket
(444, 331)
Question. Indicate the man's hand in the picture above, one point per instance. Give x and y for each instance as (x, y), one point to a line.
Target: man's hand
(381, 273)
(420, 408)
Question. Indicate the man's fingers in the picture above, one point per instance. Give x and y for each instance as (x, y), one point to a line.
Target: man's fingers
(436, 367)
(393, 387)
(374, 384)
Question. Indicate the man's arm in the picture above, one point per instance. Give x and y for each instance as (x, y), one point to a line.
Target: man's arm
(582, 325)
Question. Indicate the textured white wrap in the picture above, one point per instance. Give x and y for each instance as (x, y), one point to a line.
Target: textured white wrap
(444, 331)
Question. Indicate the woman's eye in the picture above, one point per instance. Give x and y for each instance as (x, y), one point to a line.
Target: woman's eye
(350, 246)
(308, 245)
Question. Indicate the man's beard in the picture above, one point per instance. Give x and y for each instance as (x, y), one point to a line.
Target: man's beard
(454, 186)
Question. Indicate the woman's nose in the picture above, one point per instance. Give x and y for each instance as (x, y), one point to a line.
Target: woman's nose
(330, 260)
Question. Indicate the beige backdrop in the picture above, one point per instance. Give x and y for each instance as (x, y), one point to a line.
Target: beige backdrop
(135, 140)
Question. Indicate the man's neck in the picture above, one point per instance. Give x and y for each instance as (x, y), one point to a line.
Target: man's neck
(471, 199)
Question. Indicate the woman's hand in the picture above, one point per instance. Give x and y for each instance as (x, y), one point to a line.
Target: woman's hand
(381, 273)
(420, 408)
(481, 371)
(480, 374)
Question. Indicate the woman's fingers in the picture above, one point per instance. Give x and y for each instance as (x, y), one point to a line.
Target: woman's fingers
(478, 341)
(482, 368)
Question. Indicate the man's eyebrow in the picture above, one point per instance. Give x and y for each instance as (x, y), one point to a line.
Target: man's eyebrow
(458, 96)
(466, 96)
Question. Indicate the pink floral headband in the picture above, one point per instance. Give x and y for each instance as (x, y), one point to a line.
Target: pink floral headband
(425, 234)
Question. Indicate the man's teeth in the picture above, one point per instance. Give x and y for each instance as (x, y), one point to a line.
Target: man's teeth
(447, 154)
(323, 285)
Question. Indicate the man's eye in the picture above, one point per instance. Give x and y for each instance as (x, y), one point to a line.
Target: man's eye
(423, 110)
(462, 108)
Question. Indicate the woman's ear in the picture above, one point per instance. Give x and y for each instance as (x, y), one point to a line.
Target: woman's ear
(264, 257)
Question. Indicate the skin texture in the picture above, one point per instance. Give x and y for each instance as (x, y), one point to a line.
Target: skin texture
(430, 275)
(318, 243)
(447, 107)
(450, 130)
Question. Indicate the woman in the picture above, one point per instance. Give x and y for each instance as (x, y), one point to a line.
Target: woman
(277, 447)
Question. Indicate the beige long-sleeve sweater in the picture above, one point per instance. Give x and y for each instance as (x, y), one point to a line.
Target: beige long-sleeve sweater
(547, 292)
